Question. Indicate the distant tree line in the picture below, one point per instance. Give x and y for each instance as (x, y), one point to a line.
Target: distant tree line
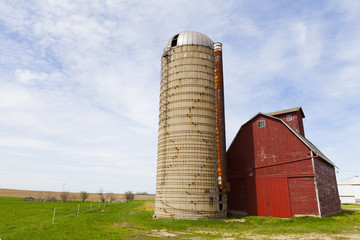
(66, 196)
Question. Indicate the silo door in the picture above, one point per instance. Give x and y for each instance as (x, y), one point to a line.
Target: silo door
(273, 197)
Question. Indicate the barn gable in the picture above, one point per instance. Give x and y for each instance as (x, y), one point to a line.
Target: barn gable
(293, 117)
(300, 136)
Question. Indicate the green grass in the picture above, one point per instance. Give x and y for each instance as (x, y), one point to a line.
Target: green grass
(133, 220)
(350, 206)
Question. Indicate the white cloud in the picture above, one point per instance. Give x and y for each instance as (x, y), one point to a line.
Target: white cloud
(308, 39)
(14, 98)
(23, 142)
(28, 77)
(79, 81)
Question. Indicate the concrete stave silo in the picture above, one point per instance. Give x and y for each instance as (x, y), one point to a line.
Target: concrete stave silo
(186, 185)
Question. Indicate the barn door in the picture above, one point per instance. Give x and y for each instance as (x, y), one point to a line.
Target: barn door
(273, 197)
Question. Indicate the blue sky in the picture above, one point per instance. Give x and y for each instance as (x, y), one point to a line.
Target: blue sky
(79, 82)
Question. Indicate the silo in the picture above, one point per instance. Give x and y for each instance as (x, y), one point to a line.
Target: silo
(187, 171)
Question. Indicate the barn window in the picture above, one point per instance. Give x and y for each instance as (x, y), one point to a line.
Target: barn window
(288, 117)
(261, 123)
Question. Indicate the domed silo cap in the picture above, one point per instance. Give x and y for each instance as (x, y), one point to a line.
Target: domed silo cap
(189, 38)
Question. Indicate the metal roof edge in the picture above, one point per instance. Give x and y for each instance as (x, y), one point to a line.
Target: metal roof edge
(294, 109)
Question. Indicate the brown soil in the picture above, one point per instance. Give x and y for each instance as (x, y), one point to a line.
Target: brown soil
(43, 195)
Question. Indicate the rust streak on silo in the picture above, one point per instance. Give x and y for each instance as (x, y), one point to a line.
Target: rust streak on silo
(220, 118)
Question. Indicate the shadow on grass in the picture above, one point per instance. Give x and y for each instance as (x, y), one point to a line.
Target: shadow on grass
(344, 212)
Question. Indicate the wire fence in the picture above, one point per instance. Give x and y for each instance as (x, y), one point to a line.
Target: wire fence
(78, 209)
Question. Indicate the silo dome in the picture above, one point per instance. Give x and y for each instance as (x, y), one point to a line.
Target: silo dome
(189, 38)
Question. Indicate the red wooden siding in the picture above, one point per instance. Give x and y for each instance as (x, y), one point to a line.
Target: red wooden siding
(292, 169)
(252, 206)
(241, 155)
(327, 187)
(303, 196)
(276, 144)
(296, 121)
(237, 196)
(272, 197)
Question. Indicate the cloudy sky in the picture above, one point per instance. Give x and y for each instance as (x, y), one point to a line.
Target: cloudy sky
(79, 82)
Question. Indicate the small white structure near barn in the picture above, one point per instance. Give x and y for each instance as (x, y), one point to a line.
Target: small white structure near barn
(349, 190)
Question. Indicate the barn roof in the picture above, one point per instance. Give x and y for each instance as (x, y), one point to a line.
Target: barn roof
(295, 109)
(350, 181)
(302, 138)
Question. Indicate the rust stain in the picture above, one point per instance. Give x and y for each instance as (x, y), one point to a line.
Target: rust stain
(220, 119)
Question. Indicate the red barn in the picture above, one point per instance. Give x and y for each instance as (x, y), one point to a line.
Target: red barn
(273, 170)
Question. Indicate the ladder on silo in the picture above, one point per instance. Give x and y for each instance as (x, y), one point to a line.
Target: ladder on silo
(164, 118)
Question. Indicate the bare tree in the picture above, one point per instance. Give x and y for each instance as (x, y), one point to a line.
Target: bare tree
(84, 195)
(51, 198)
(111, 196)
(102, 195)
(65, 196)
(129, 196)
(73, 197)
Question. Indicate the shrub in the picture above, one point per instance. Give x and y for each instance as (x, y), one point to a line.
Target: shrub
(111, 196)
(65, 196)
(31, 199)
(129, 196)
(73, 197)
(84, 195)
(141, 193)
(51, 198)
(102, 195)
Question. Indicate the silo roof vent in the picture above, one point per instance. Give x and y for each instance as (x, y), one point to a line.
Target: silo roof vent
(189, 38)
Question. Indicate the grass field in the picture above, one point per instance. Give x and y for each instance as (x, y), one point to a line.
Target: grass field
(133, 220)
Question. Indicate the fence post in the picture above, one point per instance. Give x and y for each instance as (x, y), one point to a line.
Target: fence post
(90, 206)
(78, 210)
(53, 216)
